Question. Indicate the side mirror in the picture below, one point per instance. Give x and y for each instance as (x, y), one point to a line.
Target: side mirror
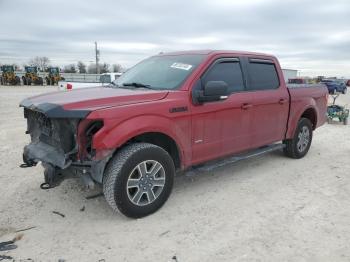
(212, 91)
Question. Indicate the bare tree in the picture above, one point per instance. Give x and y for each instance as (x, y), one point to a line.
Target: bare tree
(81, 67)
(91, 69)
(42, 62)
(104, 68)
(117, 68)
(70, 68)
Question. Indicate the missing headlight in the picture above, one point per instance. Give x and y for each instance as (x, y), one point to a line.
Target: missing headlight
(91, 130)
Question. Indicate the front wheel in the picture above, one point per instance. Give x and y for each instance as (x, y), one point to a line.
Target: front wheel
(138, 179)
(299, 145)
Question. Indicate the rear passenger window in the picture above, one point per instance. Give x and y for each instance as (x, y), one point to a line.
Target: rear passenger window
(262, 76)
(227, 71)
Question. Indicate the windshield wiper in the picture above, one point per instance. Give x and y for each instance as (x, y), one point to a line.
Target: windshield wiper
(135, 84)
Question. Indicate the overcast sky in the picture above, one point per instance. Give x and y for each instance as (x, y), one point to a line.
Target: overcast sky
(312, 36)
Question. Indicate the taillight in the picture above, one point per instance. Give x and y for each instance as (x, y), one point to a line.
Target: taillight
(69, 86)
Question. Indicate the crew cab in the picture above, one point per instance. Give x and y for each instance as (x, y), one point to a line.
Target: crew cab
(105, 79)
(169, 113)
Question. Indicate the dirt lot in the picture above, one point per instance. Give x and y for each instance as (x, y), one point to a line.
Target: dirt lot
(269, 208)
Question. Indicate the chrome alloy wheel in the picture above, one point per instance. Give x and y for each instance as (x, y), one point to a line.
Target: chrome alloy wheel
(146, 182)
(303, 139)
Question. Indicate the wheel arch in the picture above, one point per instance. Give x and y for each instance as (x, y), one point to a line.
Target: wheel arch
(156, 130)
(311, 114)
(162, 140)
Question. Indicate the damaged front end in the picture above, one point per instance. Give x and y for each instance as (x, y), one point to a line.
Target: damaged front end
(62, 142)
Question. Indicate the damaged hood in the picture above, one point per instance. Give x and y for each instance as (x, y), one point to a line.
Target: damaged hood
(80, 102)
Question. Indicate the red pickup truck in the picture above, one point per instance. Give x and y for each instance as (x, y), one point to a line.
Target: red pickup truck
(170, 112)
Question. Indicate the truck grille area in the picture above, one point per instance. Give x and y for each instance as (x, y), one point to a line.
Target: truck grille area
(56, 132)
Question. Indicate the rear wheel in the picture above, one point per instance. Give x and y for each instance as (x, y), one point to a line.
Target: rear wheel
(299, 145)
(138, 180)
(344, 91)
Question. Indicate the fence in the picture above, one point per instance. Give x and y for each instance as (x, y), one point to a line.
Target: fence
(74, 77)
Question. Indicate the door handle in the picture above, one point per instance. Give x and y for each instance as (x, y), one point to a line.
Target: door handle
(282, 101)
(246, 106)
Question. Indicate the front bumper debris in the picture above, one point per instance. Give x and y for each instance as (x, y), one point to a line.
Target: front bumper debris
(40, 151)
(54, 144)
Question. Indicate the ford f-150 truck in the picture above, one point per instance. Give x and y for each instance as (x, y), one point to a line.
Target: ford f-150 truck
(171, 112)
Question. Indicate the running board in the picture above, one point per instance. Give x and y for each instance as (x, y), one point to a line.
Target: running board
(230, 160)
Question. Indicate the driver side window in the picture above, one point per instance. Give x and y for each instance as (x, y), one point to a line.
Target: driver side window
(229, 72)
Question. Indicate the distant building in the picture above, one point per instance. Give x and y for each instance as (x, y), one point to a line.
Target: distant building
(289, 73)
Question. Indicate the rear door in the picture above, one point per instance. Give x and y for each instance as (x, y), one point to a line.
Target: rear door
(222, 127)
(270, 103)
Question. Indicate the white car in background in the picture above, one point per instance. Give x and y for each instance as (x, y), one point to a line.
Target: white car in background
(105, 79)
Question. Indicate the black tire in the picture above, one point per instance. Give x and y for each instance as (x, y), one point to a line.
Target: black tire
(344, 91)
(24, 80)
(18, 80)
(292, 148)
(120, 169)
(346, 120)
(29, 81)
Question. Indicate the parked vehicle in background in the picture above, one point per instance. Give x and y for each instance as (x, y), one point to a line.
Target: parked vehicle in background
(8, 76)
(169, 113)
(105, 79)
(335, 85)
(53, 76)
(297, 81)
(31, 76)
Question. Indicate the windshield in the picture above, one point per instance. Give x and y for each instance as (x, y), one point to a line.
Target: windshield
(53, 70)
(160, 72)
(7, 68)
(31, 69)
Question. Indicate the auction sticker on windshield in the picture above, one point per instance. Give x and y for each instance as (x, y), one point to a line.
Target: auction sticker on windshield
(181, 66)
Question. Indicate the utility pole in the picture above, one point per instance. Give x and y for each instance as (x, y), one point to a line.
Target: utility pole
(97, 55)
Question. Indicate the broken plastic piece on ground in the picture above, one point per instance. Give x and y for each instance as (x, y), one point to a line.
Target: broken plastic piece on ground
(25, 229)
(9, 245)
(94, 196)
(58, 213)
(45, 186)
(3, 257)
(24, 165)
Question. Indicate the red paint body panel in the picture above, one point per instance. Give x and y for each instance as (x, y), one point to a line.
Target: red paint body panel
(302, 99)
(202, 132)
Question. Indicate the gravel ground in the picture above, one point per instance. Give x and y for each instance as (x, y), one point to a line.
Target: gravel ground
(270, 208)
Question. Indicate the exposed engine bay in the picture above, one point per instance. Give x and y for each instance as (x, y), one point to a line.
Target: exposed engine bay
(64, 147)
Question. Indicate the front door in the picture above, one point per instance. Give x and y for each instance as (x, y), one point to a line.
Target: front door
(223, 127)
